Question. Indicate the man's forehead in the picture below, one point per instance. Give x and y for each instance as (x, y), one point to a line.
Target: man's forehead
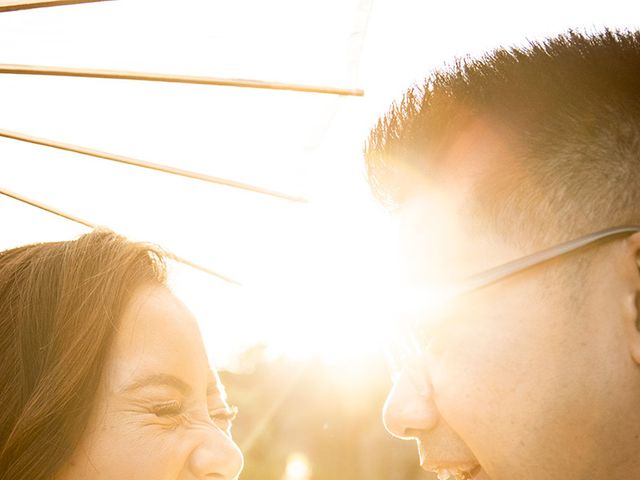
(445, 238)
(441, 240)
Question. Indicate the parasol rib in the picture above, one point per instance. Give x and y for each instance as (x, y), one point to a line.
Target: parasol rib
(10, 6)
(68, 216)
(162, 77)
(143, 164)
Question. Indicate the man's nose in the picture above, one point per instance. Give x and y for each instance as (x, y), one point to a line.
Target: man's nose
(216, 457)
(410, 409)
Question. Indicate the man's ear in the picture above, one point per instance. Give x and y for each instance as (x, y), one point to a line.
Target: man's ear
(634, 244)
(638, 295)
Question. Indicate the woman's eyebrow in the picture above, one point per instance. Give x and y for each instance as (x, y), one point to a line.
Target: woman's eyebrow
(216, 389)
(158, 379)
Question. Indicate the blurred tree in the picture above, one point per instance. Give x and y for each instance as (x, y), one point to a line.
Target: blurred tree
(316, 416)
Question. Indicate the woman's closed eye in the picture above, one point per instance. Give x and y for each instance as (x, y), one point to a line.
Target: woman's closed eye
(170, 414)
(223, 417)
(174, 410)
(168, 409)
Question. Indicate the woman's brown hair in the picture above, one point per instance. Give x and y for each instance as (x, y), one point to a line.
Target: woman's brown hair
(59, 308)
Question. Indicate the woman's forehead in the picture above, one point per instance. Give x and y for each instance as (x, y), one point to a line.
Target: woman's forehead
(155, 314)
(157, 335)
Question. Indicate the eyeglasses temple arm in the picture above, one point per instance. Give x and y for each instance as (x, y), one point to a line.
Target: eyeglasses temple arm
(511, 268)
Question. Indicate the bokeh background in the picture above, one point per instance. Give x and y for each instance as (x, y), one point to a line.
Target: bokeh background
(303, 419)
(299, 343)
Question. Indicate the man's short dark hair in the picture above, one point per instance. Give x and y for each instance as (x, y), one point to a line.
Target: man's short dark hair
(569, 108)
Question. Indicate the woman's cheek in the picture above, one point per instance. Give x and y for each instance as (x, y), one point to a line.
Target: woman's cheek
(146, 441)
(168, 424)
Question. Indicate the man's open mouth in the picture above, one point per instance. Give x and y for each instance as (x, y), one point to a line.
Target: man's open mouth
(457, 473)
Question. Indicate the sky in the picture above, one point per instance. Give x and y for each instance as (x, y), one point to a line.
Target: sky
(309, 272)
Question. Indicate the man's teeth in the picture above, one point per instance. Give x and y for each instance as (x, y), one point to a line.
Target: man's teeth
(456, 474)
(444, 474)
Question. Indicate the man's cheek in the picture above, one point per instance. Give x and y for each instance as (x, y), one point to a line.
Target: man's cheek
(477, 374)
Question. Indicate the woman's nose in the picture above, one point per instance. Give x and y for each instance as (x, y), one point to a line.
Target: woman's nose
(409, 410)
(216, 457)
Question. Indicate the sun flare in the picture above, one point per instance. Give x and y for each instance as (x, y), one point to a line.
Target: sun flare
(329, 297)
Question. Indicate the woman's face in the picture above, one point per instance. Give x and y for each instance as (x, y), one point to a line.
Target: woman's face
(161, 412)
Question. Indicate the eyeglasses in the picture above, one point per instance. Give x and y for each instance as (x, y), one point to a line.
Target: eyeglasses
(408, 346)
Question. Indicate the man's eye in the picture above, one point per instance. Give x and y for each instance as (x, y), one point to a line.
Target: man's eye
(168, 409)
(223, 417)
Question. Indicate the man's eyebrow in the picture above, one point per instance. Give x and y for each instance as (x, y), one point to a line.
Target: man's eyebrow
(158, 379)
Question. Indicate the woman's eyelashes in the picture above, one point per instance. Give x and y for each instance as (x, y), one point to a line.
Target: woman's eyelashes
(168, 409)
(169, 415)
(222, 417)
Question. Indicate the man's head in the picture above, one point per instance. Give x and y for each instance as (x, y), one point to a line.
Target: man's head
(536, 376)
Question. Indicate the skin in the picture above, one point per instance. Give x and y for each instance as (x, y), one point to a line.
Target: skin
(525, 378)
(161, 412)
